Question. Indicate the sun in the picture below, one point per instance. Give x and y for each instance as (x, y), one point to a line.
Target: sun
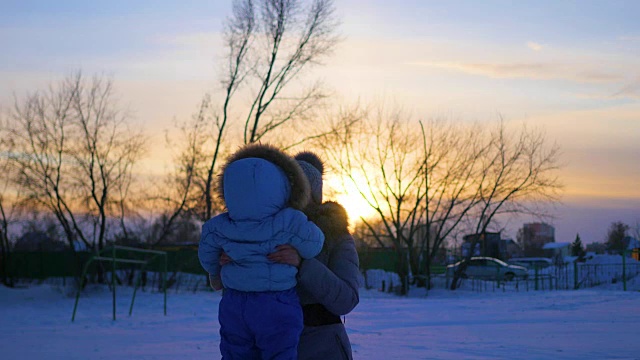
(347, 194)
(356, 207)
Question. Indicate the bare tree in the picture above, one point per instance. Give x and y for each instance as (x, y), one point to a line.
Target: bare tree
(616, 235)
(74, 151)
(270, 44)
(289, 36)
(381, 156)
(518, 174)
(186, 194)
(239, 32)
(9, 199)
(426, 184)
(416, 180)
(451, 155)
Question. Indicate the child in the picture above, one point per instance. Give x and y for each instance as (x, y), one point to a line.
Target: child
(260, 314)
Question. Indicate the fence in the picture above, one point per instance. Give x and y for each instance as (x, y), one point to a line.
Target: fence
(43, 265)
(623, 274)
(185, 272)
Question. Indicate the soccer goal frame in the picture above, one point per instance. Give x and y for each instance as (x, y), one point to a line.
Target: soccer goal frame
(114, 259)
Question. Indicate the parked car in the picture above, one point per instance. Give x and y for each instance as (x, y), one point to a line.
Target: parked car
(489, 268)
(532, 262)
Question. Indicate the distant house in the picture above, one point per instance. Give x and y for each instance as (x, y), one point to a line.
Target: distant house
(512, 249)
(533, 236)
(486, 244)
(557, 250)
(633, 245)
(491, 244)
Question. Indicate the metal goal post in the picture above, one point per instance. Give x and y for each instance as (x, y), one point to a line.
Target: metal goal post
(114, 259)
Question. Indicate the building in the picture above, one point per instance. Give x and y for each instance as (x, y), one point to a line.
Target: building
(487, 244)
(633, 246)
(492, 245)
(533, 236)
(512, 249)
(557, 251)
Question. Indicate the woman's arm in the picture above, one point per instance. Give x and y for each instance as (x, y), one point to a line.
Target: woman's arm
(334, 285)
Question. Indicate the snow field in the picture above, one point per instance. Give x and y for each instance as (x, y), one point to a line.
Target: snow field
(598, 323)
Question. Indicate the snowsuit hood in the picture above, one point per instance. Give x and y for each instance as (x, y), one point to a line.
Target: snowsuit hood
(259, 180)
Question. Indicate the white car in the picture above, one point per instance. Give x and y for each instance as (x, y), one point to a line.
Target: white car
(532, 262)
(489, 268)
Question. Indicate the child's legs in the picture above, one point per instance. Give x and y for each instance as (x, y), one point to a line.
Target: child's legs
(236, 339)
(276, 320)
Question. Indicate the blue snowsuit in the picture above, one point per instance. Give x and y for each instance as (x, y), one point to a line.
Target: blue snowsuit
(260, 314)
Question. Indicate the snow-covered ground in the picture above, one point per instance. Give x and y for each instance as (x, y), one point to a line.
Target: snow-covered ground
(598, 323)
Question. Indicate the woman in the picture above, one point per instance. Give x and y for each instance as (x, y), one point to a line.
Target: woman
(328, 283)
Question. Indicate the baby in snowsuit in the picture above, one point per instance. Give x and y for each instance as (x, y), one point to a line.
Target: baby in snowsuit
(264, 191)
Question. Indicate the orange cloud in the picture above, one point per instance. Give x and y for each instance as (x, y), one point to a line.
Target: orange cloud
(536, 71)
(534, 46)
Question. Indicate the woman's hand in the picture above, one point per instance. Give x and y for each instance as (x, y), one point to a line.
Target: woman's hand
(224, 259)
(286, 254)
(215, 282)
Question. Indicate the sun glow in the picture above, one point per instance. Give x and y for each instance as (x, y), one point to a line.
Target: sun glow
(347, 194)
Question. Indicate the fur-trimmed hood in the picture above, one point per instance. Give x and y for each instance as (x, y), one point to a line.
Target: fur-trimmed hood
(331, 218)
(298, 185)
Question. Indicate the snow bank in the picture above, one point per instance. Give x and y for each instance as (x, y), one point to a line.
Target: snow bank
(382, 280)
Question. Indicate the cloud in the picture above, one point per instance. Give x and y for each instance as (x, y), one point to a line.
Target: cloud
(630, 90)
(534, 46)
(535, 71)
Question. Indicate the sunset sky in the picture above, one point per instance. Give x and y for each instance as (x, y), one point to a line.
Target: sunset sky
(571, 68)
